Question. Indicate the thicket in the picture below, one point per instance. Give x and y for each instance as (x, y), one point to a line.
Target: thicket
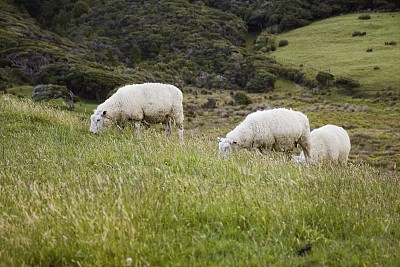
(242, 99)
(46, 92)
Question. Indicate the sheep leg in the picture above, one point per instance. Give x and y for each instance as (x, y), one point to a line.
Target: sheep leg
(180, 132)
(137, 127)
(167, 127)
(120, 126)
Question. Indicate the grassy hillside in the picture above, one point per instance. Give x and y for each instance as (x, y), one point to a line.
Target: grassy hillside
(328, 44)
(71, 198)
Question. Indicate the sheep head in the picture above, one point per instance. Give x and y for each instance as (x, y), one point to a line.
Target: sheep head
(225, 146)
(98, 121)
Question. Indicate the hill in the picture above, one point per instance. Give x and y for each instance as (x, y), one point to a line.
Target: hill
(71, 198)
(187, 43)
(370, 59)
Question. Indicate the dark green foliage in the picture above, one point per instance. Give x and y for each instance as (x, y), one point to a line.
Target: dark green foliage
(92, 83)
(346, 82)
(296, 75)
(283, 43)
(197, 43)
(391, 43)
(5, 63)
(324, 78)
(210, 104)
(80, 8)
(193, 32)
(365, 17)
(242, 99)
(135, 56)
(265, 42)
(260, 72)
(262, 81)
(45, 92)
(358, 33)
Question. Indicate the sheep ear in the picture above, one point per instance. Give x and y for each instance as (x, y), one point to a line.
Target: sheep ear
(104, 113)
(219, 139)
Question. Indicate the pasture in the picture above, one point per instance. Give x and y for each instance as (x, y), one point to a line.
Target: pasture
(329, 45)
(68, 198)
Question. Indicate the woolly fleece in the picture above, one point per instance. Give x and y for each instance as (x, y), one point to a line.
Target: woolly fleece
(149, 102)
(276, 129)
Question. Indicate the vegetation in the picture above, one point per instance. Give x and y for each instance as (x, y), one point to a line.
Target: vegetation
(45, 92)
(344, 56)
(93, 46)
(71, 198)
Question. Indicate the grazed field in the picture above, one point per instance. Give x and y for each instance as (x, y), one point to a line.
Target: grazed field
(329, 44)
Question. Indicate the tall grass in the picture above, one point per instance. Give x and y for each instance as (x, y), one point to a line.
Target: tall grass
(68, 198)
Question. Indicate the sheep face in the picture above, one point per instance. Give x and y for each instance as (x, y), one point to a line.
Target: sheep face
(98, 121)
(225, 146)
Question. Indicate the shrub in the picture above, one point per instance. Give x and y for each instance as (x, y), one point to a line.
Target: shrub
(45, 92)
(296, 75)
(324, 78)
(262, 81)
(391, 43)
(5, 63)
(357, 33)
(364, 16)
(283, 43)
(347, 82)
(211, 103)
(242, 99)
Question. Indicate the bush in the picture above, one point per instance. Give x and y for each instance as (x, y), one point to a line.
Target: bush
(347, 83)
(324, 78)
(391, 43)
(5, 63)
(45, 92)
(283, 43)
(365, 16)
(357, 33)
(242, 99)
(210, 104)
(297, 75)
(262, 81)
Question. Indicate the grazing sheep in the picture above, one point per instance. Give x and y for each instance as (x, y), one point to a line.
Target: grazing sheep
(148, 102)
(329, 143)
(276, 129)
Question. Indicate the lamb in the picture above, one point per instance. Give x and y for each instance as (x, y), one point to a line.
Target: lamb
(276, 129)
(329, 144)
(148, 102)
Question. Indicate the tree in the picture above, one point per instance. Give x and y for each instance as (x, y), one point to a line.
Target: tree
(135, 56)
(80, 8)
(324, 78)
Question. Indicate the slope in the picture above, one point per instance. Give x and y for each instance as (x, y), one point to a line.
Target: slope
(329, 45)
(71, 198)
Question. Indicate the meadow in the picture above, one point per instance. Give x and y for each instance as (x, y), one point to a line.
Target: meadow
(329, 45)
(68, 198)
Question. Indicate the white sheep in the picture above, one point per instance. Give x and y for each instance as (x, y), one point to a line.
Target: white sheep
(276, 129)
(148, 102)
(329, 143)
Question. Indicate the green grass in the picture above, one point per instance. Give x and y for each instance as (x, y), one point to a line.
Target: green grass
(328, 44)
(68, 198)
